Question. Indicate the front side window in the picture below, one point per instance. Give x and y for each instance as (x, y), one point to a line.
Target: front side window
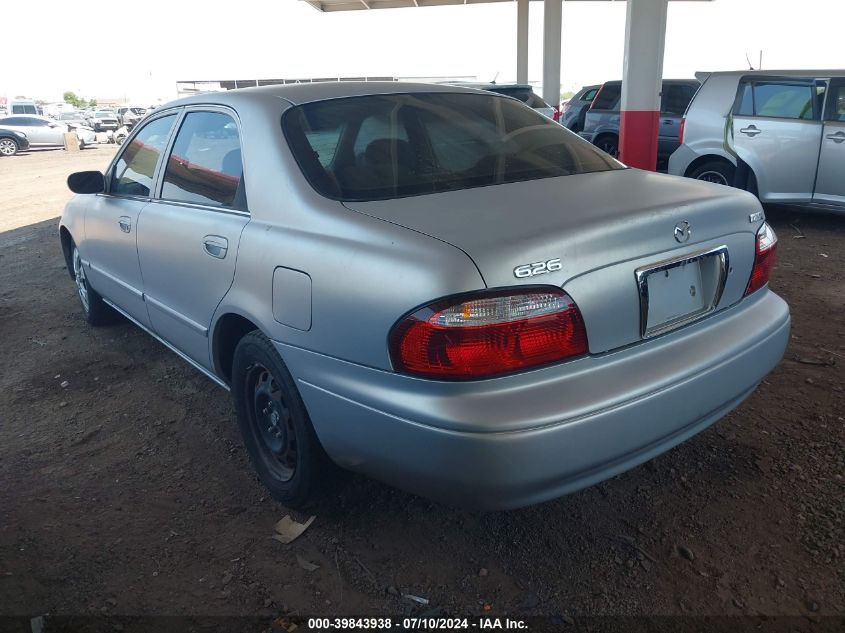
(17, 121)
(134, 170)
(205, 165)
(429, 142)
(590, 95)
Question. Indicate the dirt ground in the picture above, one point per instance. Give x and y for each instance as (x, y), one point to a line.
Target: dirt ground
(124, 487)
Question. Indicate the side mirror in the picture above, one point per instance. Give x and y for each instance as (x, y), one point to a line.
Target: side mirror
(87, 182)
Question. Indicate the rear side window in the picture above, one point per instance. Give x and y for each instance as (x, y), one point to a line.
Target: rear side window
(205, 165)
(608, 97)
(133, 173)
(836, 99)
(777, 100)
(429, 142)
(14, 120)
(589, 95)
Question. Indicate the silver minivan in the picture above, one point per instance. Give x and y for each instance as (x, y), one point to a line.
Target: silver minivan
(778, 134)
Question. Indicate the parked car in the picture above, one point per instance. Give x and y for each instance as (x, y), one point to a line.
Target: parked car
(601, 124)
(520, 92)
(129, 115)
(44, 132)
(73, 119)
(458, 296)
(778, 134)
(12, 142)
(574, 111)
(104, 120)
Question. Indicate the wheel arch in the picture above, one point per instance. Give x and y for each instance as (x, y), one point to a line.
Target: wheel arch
(229, 329)
(706, 158)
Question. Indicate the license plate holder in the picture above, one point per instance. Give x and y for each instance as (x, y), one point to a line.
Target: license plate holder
(681, 290)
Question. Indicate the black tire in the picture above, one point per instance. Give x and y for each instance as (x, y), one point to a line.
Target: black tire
(8, 146)
(720, 172)
(96, 311)
(275, 426)
(609, 144)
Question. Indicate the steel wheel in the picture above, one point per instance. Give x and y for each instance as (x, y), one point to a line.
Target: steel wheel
(8, 147)
(81, 281)
(272, 422)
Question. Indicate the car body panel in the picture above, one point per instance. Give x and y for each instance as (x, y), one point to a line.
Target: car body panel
(830, 181)
(565, 425)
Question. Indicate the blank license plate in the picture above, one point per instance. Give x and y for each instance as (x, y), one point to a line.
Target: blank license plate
(675, 295)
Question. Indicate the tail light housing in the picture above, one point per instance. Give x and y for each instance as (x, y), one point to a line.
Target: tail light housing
(488, 334)
(556, 115)
(764, 258)
(681, 130)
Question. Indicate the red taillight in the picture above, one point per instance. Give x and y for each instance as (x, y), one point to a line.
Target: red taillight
(556, 115)
(681, 130)
(488, 334)
(764, 259)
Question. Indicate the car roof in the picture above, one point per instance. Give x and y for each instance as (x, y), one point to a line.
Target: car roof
(298, 94)
(28, 116)
(773, 73)
(666, 81)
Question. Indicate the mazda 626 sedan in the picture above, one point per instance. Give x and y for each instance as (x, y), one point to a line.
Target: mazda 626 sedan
(432, 285)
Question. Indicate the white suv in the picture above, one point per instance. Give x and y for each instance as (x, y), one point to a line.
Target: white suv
(778, 134)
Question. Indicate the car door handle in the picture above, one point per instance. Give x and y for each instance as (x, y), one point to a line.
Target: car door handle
(125, 223)
(215, 246)
(750, 131)
(669, 121)
(837, 138)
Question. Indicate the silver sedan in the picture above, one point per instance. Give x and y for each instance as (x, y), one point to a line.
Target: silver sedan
(432, 285)
(45, 132)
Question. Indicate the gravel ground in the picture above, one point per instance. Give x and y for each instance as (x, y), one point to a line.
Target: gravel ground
(125, 488)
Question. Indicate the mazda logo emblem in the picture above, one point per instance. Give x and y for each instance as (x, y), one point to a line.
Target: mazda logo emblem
(683, 230)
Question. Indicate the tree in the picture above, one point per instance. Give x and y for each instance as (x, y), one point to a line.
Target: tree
(77, 102)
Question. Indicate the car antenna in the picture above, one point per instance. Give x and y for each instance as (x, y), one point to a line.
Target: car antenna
(495, 77)
(750, 65)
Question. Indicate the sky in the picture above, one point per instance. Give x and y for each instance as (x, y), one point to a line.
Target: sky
(139, 56)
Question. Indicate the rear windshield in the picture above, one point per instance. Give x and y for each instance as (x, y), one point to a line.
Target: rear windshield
(608, 97)
(392, 146)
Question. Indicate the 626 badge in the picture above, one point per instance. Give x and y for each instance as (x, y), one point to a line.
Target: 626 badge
(537, 268)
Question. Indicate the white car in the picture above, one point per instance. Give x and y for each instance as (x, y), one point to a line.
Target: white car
(45, 132)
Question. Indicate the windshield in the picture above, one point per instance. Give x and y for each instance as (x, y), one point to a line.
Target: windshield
(391, 146)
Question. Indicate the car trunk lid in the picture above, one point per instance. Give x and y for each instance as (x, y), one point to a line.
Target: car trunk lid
(604, 227)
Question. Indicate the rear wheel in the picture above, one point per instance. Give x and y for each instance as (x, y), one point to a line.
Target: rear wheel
(608, 144)
(8, 147)
(716, 171)
(275, 426)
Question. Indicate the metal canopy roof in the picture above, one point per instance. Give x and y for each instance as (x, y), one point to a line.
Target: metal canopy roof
(355, 5)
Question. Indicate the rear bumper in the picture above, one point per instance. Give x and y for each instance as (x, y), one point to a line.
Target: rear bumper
(523, 439)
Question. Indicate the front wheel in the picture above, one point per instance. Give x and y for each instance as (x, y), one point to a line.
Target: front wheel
(96, 311)
(275, 426)
(8, 147)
